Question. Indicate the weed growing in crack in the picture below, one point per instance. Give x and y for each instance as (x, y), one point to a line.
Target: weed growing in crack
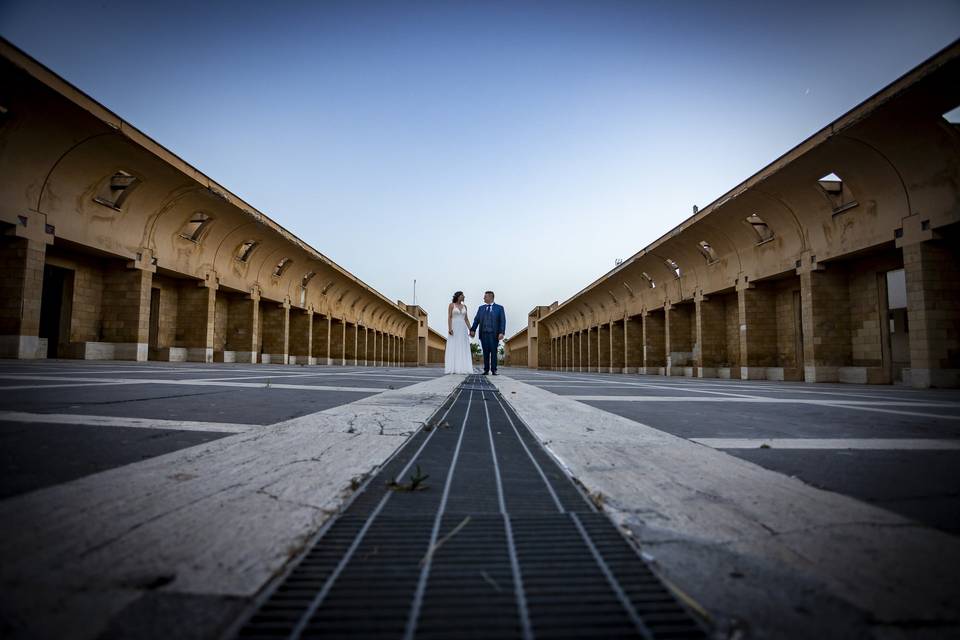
(416, 482)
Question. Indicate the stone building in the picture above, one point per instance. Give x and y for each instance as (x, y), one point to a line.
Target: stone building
(112, 247)
(838, 262)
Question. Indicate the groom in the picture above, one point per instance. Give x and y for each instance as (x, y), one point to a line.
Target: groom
(493, 323)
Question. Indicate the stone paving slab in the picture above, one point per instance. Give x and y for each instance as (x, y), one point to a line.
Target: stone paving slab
(751, 544)
(219, 519)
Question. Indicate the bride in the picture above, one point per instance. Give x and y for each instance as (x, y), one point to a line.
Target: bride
(458, 358)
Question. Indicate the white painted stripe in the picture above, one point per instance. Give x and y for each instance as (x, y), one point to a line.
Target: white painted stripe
(856, 405)
(753, 399)
(694, 386)
(114, 421)
(897, 444)
(203, 383)
(56, 386)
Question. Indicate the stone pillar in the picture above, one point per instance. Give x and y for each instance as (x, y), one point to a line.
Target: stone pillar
(21, 289)
(680, 331)
(574, 361)
(196, 310)
(350, 345)
(276, 333)
(337, 330)
(360, 356)
(710, 348)
(617, 349)
(573, 351)
(301, 337)
(321, 338)
(125, 318)
(603, 348)
(243, 327)
(758, 330)
(633, 344)
(591, 348)
(825, 317)
(654, 342)
(933, 311)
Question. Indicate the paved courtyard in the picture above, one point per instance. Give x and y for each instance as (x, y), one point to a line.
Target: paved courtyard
(895, 447)
(173, 500)
(62, 420)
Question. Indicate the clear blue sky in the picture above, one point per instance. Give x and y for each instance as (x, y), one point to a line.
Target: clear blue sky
(514, 146)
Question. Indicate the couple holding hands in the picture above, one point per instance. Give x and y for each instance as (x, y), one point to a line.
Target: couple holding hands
(492, 322)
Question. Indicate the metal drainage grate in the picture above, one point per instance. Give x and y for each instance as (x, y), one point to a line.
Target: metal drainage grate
(500, 544)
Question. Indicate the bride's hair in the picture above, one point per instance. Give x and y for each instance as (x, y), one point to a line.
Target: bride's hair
(457, 295)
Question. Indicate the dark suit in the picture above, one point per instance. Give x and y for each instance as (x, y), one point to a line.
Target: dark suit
(492, 321)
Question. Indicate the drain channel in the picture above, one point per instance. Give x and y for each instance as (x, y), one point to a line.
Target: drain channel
(496, 542)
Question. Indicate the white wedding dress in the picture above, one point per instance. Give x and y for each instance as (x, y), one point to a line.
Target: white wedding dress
(458, 358)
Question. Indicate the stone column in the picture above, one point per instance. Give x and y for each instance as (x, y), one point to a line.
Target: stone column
(572, 345)
(337, 334)
(633, 344)
(321, 339)
(362, 349)
(21, 289)
(654, 342)
(301, 337)
(824, 299)
(617, 349)
(243, 327)
(573, 351)
(679, 328)
(125, 318)
(933, 311)
(196, 309)
(603, 348)
(276, 332)
(350, 345)
(758, 330)
(591, 348)
(357, 359)
(710, 349)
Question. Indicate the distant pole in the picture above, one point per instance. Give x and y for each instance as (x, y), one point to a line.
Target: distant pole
(414, 291)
